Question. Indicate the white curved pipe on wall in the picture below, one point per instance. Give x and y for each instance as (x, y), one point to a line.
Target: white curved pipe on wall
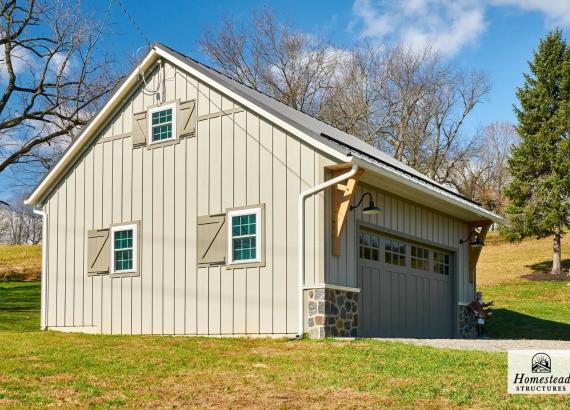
(301, 237)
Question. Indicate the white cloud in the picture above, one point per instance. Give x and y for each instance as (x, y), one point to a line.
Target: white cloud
(22, 60)
(557, 12)
(447, 26)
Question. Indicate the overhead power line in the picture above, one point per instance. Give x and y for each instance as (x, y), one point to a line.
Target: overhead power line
(133, 22)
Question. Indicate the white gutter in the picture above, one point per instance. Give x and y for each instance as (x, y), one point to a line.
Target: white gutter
(43, 324)
(301, 237)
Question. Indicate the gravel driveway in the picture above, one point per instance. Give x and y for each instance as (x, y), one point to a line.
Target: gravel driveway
(489, 345)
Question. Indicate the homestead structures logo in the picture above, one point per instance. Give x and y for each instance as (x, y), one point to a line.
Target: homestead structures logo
(542, 372)
(541, 363)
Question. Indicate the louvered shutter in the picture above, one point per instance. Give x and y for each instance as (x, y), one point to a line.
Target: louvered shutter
(98, 251)
(186, 118)
(139, 128)
(211, 240)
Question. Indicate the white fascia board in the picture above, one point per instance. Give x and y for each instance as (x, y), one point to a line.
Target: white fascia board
(126, 88)
(252, 106)
(424, 186)
(93, 126)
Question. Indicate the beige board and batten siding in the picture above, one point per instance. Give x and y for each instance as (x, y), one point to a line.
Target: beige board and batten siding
(233, 160)
(404, 218)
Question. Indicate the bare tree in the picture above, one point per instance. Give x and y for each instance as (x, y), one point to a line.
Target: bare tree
(356, 100)
(487, 173)
(19, 225)
(53, 74)
(410, 104)
(426, 104)
(289, 65)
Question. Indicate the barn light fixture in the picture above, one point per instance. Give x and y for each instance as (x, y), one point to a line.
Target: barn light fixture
(476, 243)
(371, 209)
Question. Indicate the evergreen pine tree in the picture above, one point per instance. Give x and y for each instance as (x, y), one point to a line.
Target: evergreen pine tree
(539, 192)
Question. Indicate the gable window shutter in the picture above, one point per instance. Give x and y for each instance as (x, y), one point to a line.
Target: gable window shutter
(211, 239)
(186, 118)
(98, 251)
(139, 128)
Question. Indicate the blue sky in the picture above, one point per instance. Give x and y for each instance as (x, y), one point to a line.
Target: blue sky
(496, 36)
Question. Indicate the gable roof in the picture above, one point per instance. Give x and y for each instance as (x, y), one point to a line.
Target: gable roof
(337, 143)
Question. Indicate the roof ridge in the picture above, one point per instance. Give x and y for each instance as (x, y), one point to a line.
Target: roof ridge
(255, 89)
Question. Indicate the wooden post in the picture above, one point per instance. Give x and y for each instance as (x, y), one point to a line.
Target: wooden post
(474, 253)
(341, 199)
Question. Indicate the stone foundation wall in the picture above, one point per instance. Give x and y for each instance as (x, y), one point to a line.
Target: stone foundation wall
(467, 322)
(331, 313)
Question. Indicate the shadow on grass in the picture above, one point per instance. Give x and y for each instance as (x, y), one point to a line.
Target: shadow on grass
(542, 272)
(507, 324)
(19, 306)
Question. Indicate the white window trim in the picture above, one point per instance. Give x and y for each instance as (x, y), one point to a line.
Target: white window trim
(258, 237)
(119, 228)
(157, 109)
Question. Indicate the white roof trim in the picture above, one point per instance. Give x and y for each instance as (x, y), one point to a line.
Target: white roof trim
(158, 52)
(245, 102)
(421, 185)
(83, 138)
(125, 87)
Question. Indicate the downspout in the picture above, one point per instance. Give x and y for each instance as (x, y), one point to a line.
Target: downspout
(43, 325)
(301, 236)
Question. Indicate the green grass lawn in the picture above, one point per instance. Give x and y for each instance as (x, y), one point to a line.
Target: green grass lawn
(19, 306)
(530, 310)
(48, 368)
(40, 369)
(525, 308)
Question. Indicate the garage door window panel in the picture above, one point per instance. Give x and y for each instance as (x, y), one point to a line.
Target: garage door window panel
(441, 263)
(369, 246)
(419, 257)
(395, 252)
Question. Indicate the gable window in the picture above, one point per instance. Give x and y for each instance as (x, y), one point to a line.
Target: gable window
(124, 249)
(395, 252)
(419, 258)
(441, 263)
(244, 236)
(162, 124)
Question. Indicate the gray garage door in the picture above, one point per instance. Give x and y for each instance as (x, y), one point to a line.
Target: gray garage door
(406, 288)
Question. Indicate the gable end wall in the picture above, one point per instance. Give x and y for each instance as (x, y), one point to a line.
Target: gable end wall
(233, 160)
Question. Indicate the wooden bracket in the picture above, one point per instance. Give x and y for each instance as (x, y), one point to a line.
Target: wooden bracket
(474, 253)
(341, 199)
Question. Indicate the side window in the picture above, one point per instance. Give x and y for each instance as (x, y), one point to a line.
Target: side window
(162, 124)
(419, 258)
(395, 252)
(124, 249)
(369, 246)
(441, 263)
(244, 236)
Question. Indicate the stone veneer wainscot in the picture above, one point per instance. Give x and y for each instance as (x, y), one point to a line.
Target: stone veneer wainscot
(332, 313)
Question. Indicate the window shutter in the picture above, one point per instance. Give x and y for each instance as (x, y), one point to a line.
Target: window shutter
(139, 128)
(211, 240)
(186, 118)
(98, 251)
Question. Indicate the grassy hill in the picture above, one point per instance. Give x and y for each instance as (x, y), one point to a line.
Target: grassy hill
(21, 262)
(530, 303)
